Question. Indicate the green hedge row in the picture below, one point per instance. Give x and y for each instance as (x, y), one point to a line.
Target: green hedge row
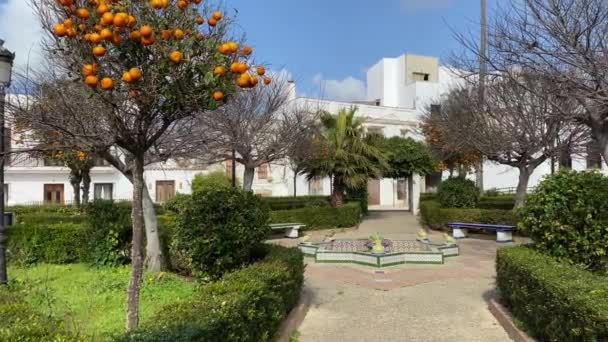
(555, 301)
(434, 216)
(321, 218)
(502, 202)
(286, 203)
(245, 305)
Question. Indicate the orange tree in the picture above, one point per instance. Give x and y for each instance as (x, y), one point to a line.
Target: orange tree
(151, 65)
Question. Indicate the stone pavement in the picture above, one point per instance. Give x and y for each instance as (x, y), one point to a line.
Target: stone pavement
(403, 303)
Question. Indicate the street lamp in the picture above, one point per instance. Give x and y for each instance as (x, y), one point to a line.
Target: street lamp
(6, 67)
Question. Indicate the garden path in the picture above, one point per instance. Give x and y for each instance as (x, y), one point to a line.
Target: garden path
(407, 303)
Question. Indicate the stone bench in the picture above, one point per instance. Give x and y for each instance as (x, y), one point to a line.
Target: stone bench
(291, 229)
(504, 233)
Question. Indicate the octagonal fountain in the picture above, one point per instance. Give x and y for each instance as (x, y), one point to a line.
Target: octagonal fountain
(379, 252)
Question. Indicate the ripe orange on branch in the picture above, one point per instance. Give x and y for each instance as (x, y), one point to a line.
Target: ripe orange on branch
(60, 30)
(91, 81)
(146, 31)
(217, 15)
(99, 51)
(219, 70)
(176, 56)
(89, 70)
(261, 70)
(135, 74)
(83, 13)
(107, 83)
(218, 96)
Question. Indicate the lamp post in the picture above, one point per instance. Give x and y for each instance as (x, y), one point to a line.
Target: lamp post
(6, 66)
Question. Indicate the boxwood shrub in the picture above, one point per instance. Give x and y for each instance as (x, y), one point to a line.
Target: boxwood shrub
(320, 218)
(432, 215)
(245, 305)
(285, 203)
(555, 301)
(458, 192)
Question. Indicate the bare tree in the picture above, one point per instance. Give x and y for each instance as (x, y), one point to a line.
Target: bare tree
(563, 40)
(262, 125)
(513, 126)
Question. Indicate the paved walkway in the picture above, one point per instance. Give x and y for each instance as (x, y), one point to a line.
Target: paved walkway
(407, 303)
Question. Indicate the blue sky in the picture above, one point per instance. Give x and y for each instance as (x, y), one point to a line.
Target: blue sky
(325, 44)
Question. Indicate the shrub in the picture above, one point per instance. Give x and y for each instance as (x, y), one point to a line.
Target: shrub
(432, 215)
(492, 192)
(498, 202)
(109, 229)
(555, 301)
(56, 243)
(567, 217)
(285, 203)
(36, 218)
(213, 180)
(217, 229)
(176, 204)
(360, 195)
(246, 305)
(321, 218)
(458, 192)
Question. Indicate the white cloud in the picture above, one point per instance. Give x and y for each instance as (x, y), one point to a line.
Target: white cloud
(413, 6)
(348, 89)
(21, 31)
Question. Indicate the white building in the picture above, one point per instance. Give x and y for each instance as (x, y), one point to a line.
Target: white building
(399, 90)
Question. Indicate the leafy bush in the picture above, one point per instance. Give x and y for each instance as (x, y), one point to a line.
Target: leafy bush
(498, 202)
(217, 229)
(434, 216)
(246, 305)
(110, 232)
(458, 192)
(176, 204)
(44, 208)
(321, 218)
(555, 301)
(36, 218)
(213, 180)
(360, 195)
(567, 217)
(56, 243)
(285, 203)
(428, 196)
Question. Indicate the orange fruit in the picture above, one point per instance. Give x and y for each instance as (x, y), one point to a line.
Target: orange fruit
(135, 36)
(107, 83)
(212, 21)
(148, 40)
(60, 30)
(253, 80)
(95, 38)
(218, 95)
(176, 56)
(127, 77)
(233, 46)
(195, 1)
(244, 81)
(261, 70)
(106, 34)
(116, 39)
(166, 34)
(247, 50)
(91, 81)
(200, 20)
(217, 15)
(99, 51)
(136, 74)
(146, 30)
(182, 4)
(66, 3)
(68, 23)
(71, 32)
(200, 36)
(121, 19)
(267, 80)
(103, 8)
(82, 27)
(83, 13)
(107, 19)
(157, 4)
(219, 70)
(98, 28)
(131, 21)
(178, 34)
(224, 49)
(89, 70)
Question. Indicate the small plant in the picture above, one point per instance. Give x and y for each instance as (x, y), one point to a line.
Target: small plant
(458, 192)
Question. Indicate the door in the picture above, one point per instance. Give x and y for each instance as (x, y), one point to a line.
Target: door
(53, 193)
(401, 193)
(373, 192)
(165, 190)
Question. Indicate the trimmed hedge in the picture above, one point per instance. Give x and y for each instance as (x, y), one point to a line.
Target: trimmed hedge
(458, 192)
(287, 203)
(502, 201)
(555, 301)
(434, 216)
(321, 218)
(246, 305)
(57, 243)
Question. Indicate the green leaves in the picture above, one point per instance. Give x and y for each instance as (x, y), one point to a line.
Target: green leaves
(406, 157)
(458, 192)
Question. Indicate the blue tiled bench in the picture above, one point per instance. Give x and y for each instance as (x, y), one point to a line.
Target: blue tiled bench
(504, 233)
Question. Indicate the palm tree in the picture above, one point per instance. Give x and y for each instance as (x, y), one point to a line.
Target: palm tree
(344, 154)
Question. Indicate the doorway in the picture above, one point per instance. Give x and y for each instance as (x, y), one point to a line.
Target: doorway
(54, 193)
(373, 192)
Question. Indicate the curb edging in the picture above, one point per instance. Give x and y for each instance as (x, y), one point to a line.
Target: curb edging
(504, 317)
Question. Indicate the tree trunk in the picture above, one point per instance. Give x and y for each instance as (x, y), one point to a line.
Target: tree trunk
(479, 176)
(337, 194)
(75, 180)
(248, 178)
(522, 186)
(136, 249)
(154, 261)
(295, 185)
(86, 185)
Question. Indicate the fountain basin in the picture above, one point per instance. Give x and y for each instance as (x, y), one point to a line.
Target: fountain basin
(399, 252)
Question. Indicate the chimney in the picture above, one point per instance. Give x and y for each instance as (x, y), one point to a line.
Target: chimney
(291, 90)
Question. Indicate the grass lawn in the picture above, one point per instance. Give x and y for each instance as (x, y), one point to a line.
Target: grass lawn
(93, 299)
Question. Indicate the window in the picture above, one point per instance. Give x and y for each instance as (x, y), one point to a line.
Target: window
(263, 171)
(53, 193)
(165, 190)
(594, 155)
(375, 130)
(52, 162)
(315, 186)
(401, 184)
(103, 191)
(229, 168)
(420, 76)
